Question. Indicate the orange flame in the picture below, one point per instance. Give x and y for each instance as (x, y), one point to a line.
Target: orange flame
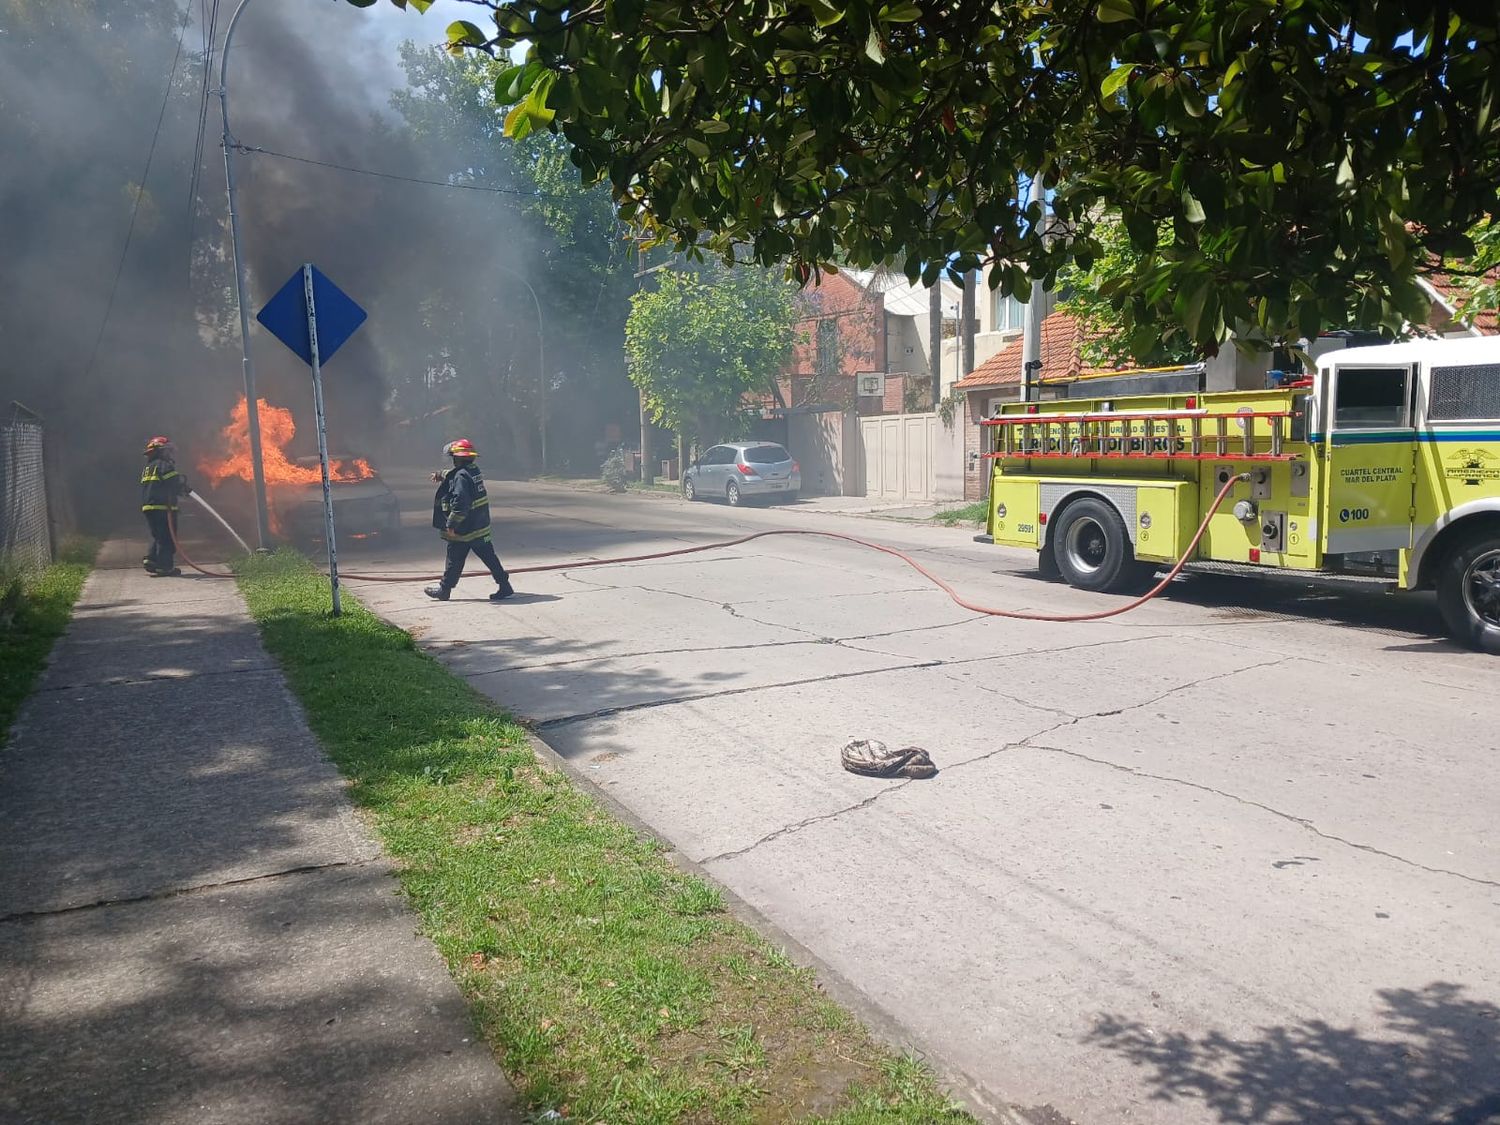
(276, 432)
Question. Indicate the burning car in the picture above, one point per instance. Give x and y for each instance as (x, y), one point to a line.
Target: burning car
(363, 504)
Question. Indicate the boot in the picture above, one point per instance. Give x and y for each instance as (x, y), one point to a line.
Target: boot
(505, 591)
(439, 592)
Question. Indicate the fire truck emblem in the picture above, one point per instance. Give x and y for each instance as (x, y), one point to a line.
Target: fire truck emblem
(1471, 466)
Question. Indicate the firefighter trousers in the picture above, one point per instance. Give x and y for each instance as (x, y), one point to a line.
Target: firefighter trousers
(458, 553)
(160, 521)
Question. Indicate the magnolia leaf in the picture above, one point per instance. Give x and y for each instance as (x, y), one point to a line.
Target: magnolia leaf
(1115, 79)
(518, 122)
(825, 14)
(462, 33)
(1192, 210)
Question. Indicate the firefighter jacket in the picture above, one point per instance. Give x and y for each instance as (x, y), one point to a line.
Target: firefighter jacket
(461, 507)
(162, 486)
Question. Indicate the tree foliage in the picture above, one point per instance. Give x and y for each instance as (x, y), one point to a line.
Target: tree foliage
(1307, 158)
(703, 339)
(476, 348)
(1478, 286)
(1097, 299)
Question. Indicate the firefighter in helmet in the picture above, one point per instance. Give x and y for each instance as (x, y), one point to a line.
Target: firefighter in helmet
(161, 487)
(461, 514)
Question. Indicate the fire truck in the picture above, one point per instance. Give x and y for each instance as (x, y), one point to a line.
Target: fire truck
(1384, 463)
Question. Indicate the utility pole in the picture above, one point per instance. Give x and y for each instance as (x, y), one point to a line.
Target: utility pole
(541, 353)
(971, 282)
(1031, 345)
(646, 475)
(252, 405)
(935, 338)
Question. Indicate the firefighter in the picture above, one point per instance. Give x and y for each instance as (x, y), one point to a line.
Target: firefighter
(161, 487)
(461, 514)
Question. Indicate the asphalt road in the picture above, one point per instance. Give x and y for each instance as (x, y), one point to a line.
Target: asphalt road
(1233, 857)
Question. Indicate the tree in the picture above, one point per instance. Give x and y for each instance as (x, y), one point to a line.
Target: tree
(702, 340)
(476, 349)
(1478, 284)
(1307, 159)
(1096, 299)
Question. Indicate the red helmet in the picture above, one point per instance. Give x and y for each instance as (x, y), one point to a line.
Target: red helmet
(157, 443)
(463, 447)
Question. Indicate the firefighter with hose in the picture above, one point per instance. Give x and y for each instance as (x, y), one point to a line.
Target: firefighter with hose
(461, 514)
(161, 487)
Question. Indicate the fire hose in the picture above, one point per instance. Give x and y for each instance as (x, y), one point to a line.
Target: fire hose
(957, 598)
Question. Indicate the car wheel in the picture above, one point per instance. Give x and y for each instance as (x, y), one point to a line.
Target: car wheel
(1468, 593)
(689, 491)
(732, 494)
(1093, 548)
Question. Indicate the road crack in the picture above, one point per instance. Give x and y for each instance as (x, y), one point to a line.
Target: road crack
(1071, 720)
(1302, 822)
(177, 892)
(787, 830)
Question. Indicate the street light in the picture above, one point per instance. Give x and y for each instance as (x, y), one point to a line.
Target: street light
(541, 351)
(252, 409)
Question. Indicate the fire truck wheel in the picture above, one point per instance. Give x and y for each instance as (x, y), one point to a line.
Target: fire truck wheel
(1093, 548)
(1468, 593)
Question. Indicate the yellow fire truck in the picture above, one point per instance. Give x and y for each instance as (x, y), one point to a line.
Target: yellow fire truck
(1386, 462)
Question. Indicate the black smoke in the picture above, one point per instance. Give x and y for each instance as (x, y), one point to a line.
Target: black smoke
(82, 86)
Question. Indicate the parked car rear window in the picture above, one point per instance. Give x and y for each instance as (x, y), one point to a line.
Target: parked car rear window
(766, 455)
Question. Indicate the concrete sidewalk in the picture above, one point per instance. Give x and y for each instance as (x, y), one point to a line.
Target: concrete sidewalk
(194, 925)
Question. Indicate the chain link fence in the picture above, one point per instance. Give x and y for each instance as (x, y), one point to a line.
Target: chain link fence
(26, 516)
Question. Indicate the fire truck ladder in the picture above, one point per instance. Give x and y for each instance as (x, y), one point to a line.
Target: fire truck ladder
(1146, 435)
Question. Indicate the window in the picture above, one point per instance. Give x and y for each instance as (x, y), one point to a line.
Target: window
(766, 455)
(1010, 314)
(718, 455)
(1465, 392)
(1370, 398)
(828, 347)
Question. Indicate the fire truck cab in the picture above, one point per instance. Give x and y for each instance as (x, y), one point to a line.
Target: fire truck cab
(1386, 462)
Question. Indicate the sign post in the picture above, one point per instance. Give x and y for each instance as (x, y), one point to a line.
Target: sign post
(313, 317)
(317, 374)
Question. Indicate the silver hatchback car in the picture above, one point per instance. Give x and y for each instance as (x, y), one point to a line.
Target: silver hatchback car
(736, 471)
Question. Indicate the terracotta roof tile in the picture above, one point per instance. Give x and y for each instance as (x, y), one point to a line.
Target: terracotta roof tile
(1487, 321)
(1061, 338)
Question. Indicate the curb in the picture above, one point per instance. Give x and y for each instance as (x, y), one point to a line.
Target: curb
(880, 1023)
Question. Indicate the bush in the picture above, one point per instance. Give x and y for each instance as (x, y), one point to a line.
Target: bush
(613, 471)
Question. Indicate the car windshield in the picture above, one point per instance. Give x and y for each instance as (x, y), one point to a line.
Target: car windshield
(766, 455)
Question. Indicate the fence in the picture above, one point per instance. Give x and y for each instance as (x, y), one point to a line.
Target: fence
(25, 514)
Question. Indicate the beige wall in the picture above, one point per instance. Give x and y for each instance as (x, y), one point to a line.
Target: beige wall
(826, 446)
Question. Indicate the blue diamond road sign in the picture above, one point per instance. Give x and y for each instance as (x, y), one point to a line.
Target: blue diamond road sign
(285, 316)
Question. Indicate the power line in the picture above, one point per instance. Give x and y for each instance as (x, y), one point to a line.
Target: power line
(140, 191)
(256, 150)
(210, 18)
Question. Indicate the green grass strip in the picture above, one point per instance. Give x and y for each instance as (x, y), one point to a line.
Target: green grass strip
(976, 512)
(34, 611)
(613, 987)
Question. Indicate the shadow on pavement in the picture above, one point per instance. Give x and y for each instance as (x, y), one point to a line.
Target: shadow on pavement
(1437, 1059)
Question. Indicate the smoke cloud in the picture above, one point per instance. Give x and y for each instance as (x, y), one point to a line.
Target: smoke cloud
(82, 86)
